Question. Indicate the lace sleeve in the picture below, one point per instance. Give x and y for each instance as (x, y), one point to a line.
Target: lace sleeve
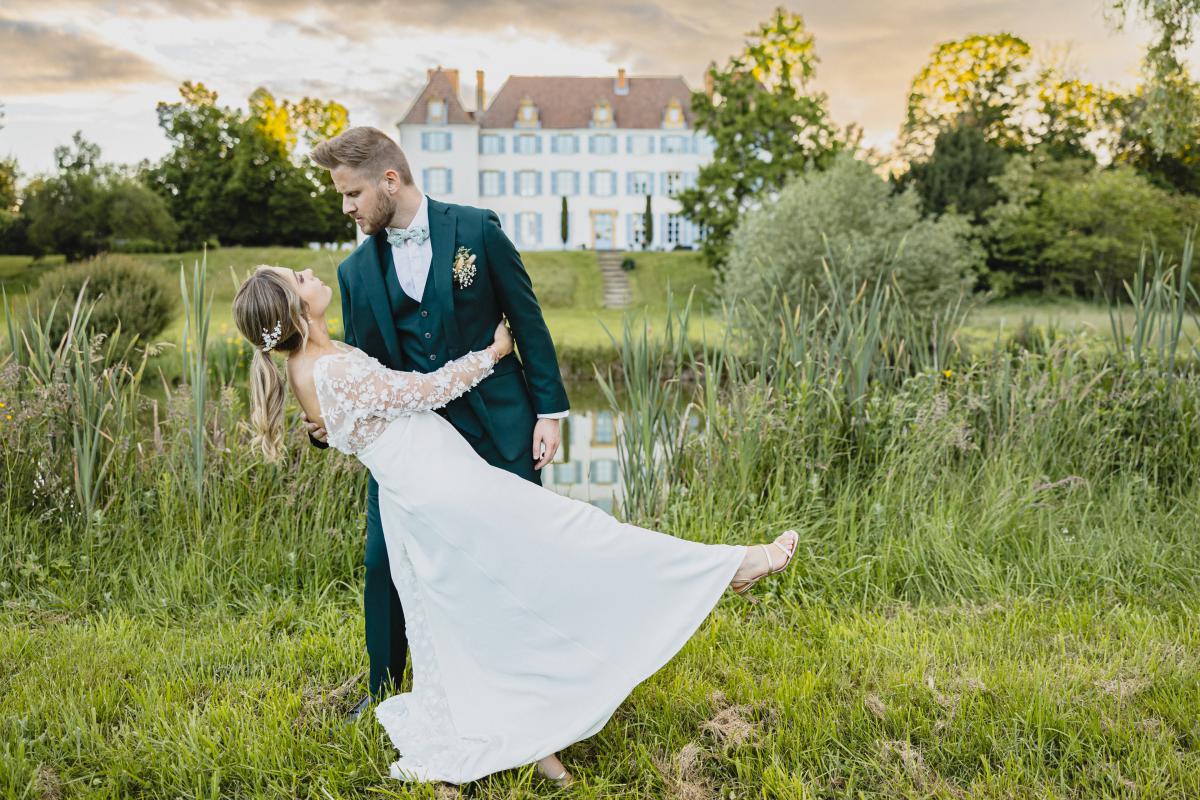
(372, 389)
(359, 396)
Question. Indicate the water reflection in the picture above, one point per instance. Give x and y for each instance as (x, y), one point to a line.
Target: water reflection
(586, 465)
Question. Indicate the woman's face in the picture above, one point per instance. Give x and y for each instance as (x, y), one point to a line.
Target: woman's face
(315, 294)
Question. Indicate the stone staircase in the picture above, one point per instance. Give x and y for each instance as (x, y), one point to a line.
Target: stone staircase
(618, 293)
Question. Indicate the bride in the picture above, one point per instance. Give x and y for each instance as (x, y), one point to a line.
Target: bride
(530, 616)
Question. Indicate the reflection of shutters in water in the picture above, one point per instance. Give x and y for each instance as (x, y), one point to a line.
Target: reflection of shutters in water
(605, 429)
(571, 472)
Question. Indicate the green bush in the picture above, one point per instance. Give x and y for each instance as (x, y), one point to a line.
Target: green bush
(136, 294)
(847, 216)
(1063, 223)
(628, 264)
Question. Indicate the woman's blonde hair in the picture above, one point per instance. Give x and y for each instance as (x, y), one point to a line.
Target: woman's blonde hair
(270, 314)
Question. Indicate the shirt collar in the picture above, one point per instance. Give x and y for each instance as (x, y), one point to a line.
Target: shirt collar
(420, 218)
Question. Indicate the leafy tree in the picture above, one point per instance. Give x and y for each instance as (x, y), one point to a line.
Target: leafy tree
(992, 82)
(236, 176)
(767, 126)
(647, 225)
(958, 176)
(1063, 222)
(1177, 169)
(1169, 109)
(86, 207)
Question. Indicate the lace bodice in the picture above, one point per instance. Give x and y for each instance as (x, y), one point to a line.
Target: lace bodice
(359, 396)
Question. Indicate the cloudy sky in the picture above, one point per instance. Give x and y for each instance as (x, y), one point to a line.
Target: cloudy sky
(100, 67)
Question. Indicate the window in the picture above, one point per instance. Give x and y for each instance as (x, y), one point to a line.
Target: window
(602, 145)
(529, 228)
(527, 115)
(673, 116)
(604, 470)
(527, 183)
(674, 144)
(672, 183)
(491, 183)
(570, 472)
(674, 229)
(527, 144)
(640, 144)
(564, 182)
(704, 145)
(602, 116)
(566, 144)
(437, 181)
(603, 183)
(435, 141)
(490, 144)
(640, 183)
(637, 229)
(435, 112)
(605, 429)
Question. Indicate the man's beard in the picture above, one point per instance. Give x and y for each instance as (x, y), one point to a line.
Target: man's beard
(379, 220)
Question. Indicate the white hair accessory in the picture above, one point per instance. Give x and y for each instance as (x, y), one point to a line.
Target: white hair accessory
(271, 339)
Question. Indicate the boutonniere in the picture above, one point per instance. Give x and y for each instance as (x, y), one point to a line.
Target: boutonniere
(464, 267)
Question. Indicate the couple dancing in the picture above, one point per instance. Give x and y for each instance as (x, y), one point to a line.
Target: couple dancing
(529, 616)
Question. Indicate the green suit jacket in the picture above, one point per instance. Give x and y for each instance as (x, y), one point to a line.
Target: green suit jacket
(503, 407)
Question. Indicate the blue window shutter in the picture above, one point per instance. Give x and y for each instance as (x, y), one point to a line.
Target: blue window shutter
(449, 181)
(425, 179)
(591, 144)
(591, 183)
(539, 228)
(502, 176)
(553, 144)
(481, 184)
(629, 182)
(629, 143)
(650, 139)
(538, 183)
(537, 148)
(424, 140)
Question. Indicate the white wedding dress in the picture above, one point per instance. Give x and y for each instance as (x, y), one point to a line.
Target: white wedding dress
(530, 616)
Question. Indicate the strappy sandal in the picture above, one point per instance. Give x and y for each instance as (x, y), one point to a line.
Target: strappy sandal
(742, 587)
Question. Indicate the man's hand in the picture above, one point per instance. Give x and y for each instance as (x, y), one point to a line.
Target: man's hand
(314, 430)
(546, 438)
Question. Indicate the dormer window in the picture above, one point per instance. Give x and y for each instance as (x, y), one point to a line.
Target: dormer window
(527, 115)
(435, 112)
(602, 116)
(673, 116)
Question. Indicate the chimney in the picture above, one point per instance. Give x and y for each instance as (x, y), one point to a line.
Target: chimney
(622, 83)
(453, 75)
(480, 94)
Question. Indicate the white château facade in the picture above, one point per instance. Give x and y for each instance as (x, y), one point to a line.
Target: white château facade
(603, 143)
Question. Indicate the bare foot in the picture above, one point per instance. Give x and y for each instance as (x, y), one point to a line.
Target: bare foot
(552, 769)
(755, 565)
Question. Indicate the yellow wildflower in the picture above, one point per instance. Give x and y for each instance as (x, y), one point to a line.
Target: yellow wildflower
(948, 373)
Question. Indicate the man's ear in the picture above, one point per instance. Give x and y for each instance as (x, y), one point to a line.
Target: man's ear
(391, 181)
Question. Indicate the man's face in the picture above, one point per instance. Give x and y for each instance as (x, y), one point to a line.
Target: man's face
(370, 203)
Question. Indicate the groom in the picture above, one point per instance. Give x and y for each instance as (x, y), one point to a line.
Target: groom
(413, 299)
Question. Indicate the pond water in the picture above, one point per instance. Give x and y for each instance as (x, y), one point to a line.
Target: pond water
(586, 466)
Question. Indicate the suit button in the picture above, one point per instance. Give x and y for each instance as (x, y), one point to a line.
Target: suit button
(424, 313)
(432, 357)
(428, 335)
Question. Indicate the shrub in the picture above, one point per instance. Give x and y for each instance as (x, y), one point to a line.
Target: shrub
(136, 294)
(847, 216)
(628, 264)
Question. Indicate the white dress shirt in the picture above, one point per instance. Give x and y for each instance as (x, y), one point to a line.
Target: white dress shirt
(413, 260)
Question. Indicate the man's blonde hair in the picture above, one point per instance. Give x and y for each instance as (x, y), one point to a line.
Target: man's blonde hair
(368, 150)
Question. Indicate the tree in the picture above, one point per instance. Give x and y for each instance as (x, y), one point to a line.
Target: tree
(647, 225)
(564, 224)
(236, 176)
(958, 176)
(767, 125)
(86, 207)
(1170, 110)
(992, 82)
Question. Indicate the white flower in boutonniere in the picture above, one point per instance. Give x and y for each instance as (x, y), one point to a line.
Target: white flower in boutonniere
(464, 267)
